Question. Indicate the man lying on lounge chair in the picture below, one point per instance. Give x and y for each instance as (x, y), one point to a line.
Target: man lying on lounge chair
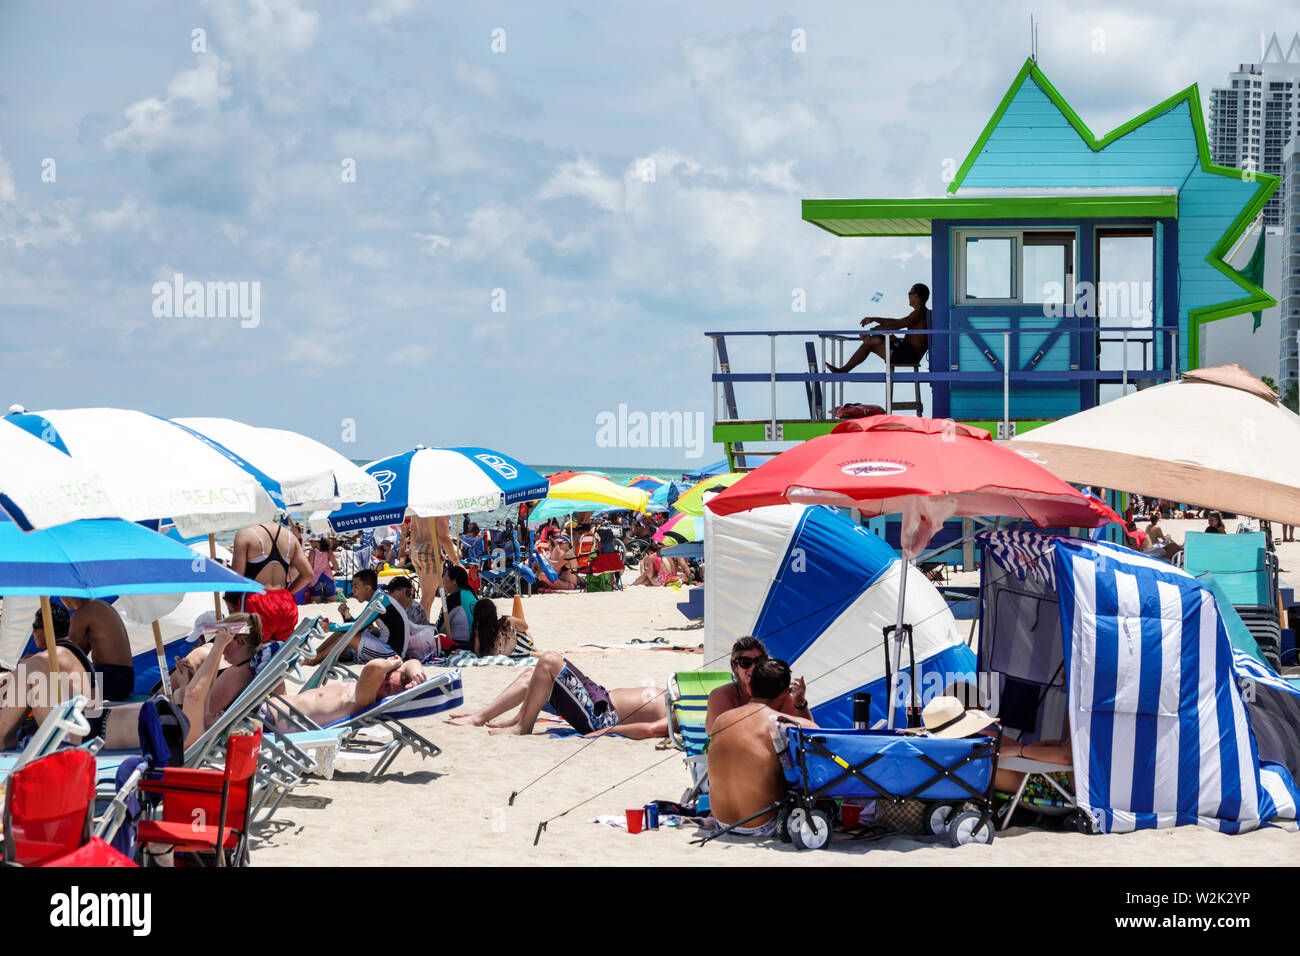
(559, 687)
(340, 699)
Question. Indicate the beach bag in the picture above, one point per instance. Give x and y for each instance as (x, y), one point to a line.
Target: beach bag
(856, 410)
(599, 582)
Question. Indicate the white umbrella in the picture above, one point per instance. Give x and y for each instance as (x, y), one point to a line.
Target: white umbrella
(312, 476)
(1218, 438)
(41, 487)
(154, 469)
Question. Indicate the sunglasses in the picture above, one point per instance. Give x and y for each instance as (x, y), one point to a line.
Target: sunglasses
(745, 663)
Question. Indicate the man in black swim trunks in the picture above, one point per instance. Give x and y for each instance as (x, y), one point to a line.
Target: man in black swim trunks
(555, 685)
(99, 632)
(904, 350)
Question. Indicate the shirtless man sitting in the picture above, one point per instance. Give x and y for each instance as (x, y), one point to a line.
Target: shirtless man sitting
(96, 629)
(745, 774)
(560, 688)
(340, 699)
(905, 350)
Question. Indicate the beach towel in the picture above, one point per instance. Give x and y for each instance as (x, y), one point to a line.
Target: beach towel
(464, 658)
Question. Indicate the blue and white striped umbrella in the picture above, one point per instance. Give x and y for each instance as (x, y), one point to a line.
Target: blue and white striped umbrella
(154, 469)
(102, 557)
(428, 482)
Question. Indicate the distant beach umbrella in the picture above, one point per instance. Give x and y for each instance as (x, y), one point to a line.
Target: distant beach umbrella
(430, 482)
(691, 501)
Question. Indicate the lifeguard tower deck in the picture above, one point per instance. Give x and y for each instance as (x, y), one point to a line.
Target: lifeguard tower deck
(1066, 270)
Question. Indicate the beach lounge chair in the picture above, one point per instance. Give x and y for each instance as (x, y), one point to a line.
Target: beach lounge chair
(61, 722)
(193, 796)
(1060, 804)
(49, 805)
(1248, 572)
(330, 666)
(688, 703)
(434, 696)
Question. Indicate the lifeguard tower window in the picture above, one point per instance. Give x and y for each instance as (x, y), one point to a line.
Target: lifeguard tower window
(1022, 266)
(1124, 297)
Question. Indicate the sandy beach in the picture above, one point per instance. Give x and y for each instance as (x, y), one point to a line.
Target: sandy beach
(454, 808)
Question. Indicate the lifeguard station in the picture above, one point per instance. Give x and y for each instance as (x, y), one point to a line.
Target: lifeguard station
(1065, 271)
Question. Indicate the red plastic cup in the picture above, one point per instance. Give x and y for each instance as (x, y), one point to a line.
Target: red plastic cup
(635, 820)
(850, 813)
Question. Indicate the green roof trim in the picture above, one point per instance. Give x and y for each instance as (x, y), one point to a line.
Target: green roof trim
(913, 217)
(1255, 298)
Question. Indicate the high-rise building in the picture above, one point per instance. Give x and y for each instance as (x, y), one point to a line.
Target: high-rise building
(1256, 114)
(1289, 299)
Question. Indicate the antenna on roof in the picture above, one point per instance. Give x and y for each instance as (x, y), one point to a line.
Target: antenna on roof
(1033, 39)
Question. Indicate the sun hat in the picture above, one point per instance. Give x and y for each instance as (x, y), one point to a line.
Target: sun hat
(945, 717)
(203, 622)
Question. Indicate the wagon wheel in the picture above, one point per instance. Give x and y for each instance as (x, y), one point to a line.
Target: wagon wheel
(809, 829)
(783, 824)
(935, 819)
(964, 827)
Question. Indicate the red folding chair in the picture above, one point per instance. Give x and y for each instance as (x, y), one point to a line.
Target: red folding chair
(193, 798)
(49, 807)
(95, 853)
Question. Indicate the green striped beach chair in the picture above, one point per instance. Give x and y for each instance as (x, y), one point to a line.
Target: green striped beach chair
(688, 702)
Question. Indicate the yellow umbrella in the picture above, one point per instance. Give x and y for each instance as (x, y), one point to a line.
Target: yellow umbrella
(598, 490)
(691, 502)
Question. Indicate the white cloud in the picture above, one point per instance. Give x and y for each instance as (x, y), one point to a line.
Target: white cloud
(385, 11)
(128, 217)
(152, 123)
(777, 175)
(477, 78)
(431, 242)
(581, 178)
(7, 191)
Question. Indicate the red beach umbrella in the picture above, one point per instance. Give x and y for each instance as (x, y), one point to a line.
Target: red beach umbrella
(927, 469)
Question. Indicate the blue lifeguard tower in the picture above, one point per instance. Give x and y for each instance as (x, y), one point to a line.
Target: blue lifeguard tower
(1066, 271)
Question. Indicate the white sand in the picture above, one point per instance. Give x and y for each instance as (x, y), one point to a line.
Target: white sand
(453, 808)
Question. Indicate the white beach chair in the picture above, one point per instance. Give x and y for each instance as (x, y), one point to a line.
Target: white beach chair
(434, 696)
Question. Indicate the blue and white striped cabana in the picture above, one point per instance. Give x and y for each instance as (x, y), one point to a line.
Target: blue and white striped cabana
(1131, 654)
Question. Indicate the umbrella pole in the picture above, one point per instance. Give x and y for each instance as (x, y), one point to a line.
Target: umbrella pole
(896, 652)
(51, 649)
(162, 662)
(216, 595)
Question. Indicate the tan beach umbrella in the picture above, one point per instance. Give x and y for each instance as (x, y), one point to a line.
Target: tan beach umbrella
(1217, 438)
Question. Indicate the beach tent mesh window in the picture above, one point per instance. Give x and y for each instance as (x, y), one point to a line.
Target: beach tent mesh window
(1168, 723)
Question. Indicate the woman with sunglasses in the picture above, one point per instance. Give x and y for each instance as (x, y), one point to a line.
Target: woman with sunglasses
(745, 653)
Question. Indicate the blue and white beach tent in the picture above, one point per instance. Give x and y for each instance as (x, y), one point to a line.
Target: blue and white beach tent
(818, 589)
(1168, 724)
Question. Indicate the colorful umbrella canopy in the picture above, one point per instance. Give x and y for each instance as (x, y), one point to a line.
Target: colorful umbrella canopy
(155, 469)
(561, 507)
(717, 468)
(663, 497)
(102, 557)
(311, 476)
(40, 486)
(1223, 441)
(929, 470)
(598, 491)
(691, 502)
(428, 482)
(645, 482)
(679, 529)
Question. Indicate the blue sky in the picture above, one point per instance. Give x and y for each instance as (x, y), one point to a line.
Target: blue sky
(520, 170)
